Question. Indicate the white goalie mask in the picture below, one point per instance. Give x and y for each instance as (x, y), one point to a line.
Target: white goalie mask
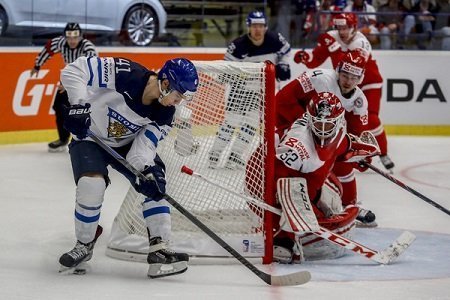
(325, 118)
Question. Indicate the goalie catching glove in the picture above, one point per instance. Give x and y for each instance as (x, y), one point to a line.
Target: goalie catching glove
(360, 152)
(154, 188)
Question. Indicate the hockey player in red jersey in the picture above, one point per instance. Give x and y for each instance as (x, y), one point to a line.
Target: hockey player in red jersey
(305, 155)
(291, 102)
(335, 44)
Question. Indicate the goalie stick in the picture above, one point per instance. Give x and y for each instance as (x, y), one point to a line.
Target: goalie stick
(296, 278)
(384, 257)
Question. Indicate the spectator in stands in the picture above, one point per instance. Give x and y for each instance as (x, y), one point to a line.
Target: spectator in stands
(420, 19)
(366, 22)
(281, 12)
(326, 14)
(308, 10)
(378, 3)
(390, 19)
(442, 24)
(445, 31)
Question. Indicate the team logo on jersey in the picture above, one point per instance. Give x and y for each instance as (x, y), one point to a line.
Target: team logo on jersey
(358, 102)
(305, 82)
(119, 126)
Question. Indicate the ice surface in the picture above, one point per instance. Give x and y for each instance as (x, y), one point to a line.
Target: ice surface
(36, 226)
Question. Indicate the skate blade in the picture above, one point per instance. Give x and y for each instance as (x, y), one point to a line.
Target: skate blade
(163, 270)
(80, 269)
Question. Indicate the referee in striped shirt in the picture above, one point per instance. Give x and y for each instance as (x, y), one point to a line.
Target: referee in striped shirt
(71, 45)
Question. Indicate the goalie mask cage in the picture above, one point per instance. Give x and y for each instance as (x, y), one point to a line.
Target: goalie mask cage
(247, 92)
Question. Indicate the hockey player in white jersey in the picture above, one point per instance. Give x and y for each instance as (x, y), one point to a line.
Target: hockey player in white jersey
(131, 109)
(258, 45)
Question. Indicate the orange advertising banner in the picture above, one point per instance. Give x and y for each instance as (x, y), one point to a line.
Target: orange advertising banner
(26, 102)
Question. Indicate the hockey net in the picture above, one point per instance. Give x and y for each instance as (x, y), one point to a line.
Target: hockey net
(249, 89)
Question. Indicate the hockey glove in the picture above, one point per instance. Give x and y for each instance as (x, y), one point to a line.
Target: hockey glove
(360, 153)
(78, 119)
(301, 57)
(283, 72)
(154, 188)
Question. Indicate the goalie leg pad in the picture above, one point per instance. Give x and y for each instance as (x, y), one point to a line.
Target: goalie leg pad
(297, 211)
(330, 202)
(89, 198)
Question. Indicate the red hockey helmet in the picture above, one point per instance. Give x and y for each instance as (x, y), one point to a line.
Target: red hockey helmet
(325, 118)
(354, 62)
(343, 19)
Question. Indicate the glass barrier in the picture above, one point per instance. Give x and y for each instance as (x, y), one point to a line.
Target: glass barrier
(213, 23)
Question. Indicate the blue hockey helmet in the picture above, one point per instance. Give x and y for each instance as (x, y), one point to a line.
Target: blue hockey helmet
(256, 17)
(182, 76)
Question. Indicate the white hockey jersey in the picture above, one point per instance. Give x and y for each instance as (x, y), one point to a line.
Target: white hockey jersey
(325, 80)
(292, 99)
(114, 88)
(299, 152)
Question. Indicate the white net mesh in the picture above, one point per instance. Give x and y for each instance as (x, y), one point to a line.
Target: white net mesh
(214, 135)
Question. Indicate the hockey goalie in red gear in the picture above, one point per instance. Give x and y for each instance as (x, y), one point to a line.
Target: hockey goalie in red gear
(305, 155)
(335, 44)
(291, 102)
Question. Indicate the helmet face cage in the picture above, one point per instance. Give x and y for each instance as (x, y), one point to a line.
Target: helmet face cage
(182, 76)
(325, 118)
(256, 17)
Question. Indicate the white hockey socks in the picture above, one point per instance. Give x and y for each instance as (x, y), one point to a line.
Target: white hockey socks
(89, 198)
(157, 218)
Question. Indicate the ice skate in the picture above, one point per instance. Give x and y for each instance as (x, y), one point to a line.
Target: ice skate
(287, 251)
(387, 163)
(72, 261)
(366, 218)
(163, 261)
(57, 146)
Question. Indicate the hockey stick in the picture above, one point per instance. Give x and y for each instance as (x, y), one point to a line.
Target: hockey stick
(404, 186)
(385, 256)
(296, 278)
(368, 137)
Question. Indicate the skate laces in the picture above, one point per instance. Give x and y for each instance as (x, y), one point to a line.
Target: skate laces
(165, 249)
(79, 251)
(363, 212)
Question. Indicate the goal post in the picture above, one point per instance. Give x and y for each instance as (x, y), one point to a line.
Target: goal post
(232, 115)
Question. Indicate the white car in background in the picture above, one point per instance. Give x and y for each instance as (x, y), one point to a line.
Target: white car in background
(138, 22)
